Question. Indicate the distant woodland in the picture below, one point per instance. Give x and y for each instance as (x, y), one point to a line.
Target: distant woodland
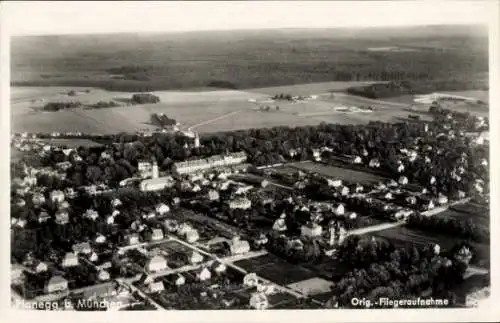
(454, 57)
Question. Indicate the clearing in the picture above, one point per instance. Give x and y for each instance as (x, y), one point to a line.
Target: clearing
(344, 174)
(312, 286)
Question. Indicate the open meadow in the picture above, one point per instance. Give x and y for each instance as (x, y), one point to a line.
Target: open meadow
(341, 173)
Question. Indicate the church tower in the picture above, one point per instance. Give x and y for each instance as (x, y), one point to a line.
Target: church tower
(196, 140)
(155, 172)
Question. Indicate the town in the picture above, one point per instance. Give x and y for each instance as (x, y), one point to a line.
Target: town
(271, 218)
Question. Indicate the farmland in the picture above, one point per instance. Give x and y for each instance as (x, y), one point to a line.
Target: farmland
(344, 174)
(207, 111)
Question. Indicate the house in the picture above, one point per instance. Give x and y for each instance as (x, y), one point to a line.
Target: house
(115, 213)
(156, 287)
(412, 200)
(380, 186)
(69, 260)
(62, 217)
(250, 280)
(103, 275)
(115, 203)
(401, 168)
(38, 199)
(63, 166)
(374, 163)
(219, 268)
(280, 225)
(93, 257)
(240, 203)
(21, 223)
(432, 180)
(238, 247)
(30, 181)
(259, 301)
(403, 180)
(39, 266)
(63, 205)
(57, 196)
(156, 264)
(110, 219)
(156, 184)
(179, 280)
(357, 160)
(43, 217)
(334, 182)
(392, 183)
(442, 199)
(20, 202)
(56, 284)
(157, 234)
(132, 239)
(196, 188)
(316, 154)
(267, 289)
(311, 230)
(184, 228)
(162, 209)
(171, 225)
(70, 192)
(192, 236)
(213, 195)
(352, 215)
(339, 209)
(292, 152)
(195, 258)
(388, 196)
(91, 214)
(203, 274)
(83, 248)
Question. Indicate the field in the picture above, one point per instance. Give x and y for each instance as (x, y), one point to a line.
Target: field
(344, 174)
(276, 269)
(207, 111)
(481, 219)
(71, 143)
(312, 286)
(402, 235)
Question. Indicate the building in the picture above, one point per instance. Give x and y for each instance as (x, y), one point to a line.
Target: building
(250, 280)
(43, 217)
(57, 196)
(280, 225)
(195, 258)
(83, 248)
(69, 260)
(213, 195)
(196, 140)
(56, 284)
(339, 209)
(192, 236)
(156, 184)
(144, 168)
(357, 160)
(197, 165)
(162, 209)
(156, 287)
(311, 230)
(91, 214)
(103, 275)
(259, 301)
(156, 264)
(62, 217)
(132, 239)
(115, 203)
(334, 183)
(203, 274)
(157, 234)
(240, 203)
(238, 247)
(403, 180)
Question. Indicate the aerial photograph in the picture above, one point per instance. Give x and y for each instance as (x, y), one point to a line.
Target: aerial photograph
(250, 156)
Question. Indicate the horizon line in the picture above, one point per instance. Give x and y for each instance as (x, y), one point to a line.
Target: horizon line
(483, 25)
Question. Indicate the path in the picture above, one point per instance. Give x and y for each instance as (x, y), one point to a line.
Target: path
(385, 226)
(214, 119)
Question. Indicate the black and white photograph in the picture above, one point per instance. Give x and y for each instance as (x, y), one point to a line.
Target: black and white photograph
(250, 155)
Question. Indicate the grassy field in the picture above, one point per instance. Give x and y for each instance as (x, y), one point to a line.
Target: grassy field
(402, 235)
(208, 111)
(344, 174)
(276, 269)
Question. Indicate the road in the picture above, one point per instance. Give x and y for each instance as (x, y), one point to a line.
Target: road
(385, 226)
(214, 119)
(241, 270)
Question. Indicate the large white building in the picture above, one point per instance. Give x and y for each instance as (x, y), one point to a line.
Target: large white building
(156, 184)
(197, 165)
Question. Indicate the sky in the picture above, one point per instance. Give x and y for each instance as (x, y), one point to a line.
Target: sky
(72, 17)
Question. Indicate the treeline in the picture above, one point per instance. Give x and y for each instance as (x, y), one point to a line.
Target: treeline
(463, 229)
(56, 106)
(399, 88)
(382, 270)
